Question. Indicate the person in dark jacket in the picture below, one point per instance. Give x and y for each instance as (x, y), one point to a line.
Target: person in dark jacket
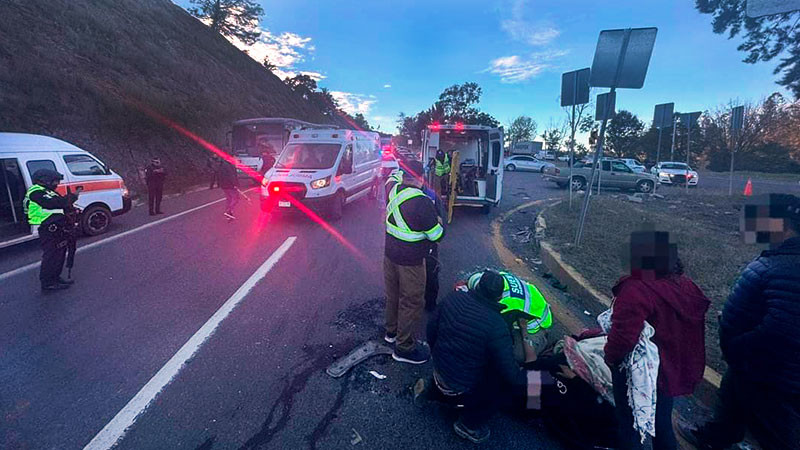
(760, 338)
(432, 264)
(267, 160)
(412, 224)
(45, 208)
(657, 292)
(212, 169)
(154, 176)
(473, 358)
(229, 183)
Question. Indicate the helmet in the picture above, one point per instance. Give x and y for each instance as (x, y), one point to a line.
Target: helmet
(47, 177)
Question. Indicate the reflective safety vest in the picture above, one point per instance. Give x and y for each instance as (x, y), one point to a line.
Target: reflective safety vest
(522, 297)
(395, 177)
(400, 229)
(36, 213)
(442, 168)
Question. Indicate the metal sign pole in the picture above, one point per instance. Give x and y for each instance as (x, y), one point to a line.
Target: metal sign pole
(658, 158)
(674, 129)
(733, 147)
(688, 146)
(737, 122)
(572, 147)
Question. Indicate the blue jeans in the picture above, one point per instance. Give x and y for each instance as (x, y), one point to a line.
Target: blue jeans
(231, 199)
(628, 436)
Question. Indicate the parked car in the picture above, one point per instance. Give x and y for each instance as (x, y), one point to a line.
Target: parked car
(634, 164)
(669, 172)
(613, 174)
(524, 162)
(545, 155)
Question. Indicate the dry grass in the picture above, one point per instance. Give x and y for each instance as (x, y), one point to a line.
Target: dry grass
(704, 227)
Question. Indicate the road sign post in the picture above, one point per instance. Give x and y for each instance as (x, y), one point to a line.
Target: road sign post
(737, 122)
(574, 91)
(620, 61)
(674, 130)
(662, 117)
(690, 119)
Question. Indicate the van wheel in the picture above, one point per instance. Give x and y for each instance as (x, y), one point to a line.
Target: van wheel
(373, 191)
(95, 220)
(337, 207)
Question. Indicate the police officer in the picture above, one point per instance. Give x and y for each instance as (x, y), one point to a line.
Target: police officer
(45, 208)
(412, 224)
(525, 308)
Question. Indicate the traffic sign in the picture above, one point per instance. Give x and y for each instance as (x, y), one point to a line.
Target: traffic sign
(737, 118)
(662, 118)
(761, 8)
(601, 112)
(689, 119)
(622, 57)
(575, 87)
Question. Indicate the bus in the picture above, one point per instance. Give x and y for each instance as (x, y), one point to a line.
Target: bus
(249, 138)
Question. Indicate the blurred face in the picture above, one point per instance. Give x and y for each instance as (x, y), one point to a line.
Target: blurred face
(761, 223)
(650, 255)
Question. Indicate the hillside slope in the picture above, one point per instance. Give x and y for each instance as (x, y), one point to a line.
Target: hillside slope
(87, 70)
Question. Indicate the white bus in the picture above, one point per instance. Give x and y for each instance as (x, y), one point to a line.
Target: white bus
(249, 138)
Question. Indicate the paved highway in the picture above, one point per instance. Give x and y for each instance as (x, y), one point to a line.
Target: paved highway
(208, 334)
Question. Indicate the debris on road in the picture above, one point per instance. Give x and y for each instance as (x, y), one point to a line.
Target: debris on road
(358, 355)
(536, 261)
(356, 437)
(587, 312)
(377, 375)
(634, 199)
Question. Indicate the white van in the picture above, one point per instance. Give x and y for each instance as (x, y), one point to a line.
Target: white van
(480, 165)
(103, 193)
(324, 170)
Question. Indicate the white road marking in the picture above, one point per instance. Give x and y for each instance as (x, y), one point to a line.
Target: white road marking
(81, 248)
(119, 425)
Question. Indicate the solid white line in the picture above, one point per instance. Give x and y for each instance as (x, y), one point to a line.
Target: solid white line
(31, 266)
(119, 425)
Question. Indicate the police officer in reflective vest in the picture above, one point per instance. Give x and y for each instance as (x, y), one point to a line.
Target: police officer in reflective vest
(526, 308)
(45, 208)
(412, 224)
(442, 171)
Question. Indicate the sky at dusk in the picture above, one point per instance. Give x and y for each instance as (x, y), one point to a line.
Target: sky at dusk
(381, 58)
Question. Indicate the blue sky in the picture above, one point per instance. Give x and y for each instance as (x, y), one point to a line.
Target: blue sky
(384, 57)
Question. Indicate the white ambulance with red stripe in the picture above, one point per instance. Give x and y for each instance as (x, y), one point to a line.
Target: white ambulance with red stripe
(102, 192)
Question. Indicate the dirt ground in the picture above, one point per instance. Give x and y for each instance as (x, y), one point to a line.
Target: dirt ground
(705, 227)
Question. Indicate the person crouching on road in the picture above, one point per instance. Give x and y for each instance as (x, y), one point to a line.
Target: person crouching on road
(656, 297)
(473, 358)
(760, 337)
(412, 224)
(229, 183)
(154, 176)
(526, 311)
(45, 208)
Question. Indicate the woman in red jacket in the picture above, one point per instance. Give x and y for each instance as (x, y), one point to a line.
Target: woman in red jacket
(657, 292)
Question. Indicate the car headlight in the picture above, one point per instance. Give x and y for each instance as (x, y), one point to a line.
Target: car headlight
(321, 183)
(663, 174)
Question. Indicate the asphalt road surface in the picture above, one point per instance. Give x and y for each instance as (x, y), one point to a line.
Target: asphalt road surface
(719, 182)
(186, 331)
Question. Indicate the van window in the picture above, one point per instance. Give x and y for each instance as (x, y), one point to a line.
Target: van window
(496, 154)
(308, 156)
(620, 167)
(346, 165)
(83, 165)
(39, 164)
(363, 152)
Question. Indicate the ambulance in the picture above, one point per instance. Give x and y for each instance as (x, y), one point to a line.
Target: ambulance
(103, 194)
(480, 164)
(323, 170)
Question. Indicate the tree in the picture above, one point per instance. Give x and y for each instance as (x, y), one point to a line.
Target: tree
(765, 37)
(361, 122)
(458, 101)
(623, 132)
(523, 128)
(268, 64)
(231, 18)
(302, 84)
(552, 138)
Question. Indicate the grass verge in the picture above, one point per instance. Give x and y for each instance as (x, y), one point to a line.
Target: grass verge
(704, 227)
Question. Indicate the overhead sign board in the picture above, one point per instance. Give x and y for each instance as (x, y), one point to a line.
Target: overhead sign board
(606, 106)
(575, 87)
(689, 119)
(663, 115)
(761, 8)
(622, 57)
(737, 118)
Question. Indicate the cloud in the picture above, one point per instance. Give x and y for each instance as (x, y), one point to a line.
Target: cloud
(354, 103)
(533, 32)
(387, 86)
(515, 68)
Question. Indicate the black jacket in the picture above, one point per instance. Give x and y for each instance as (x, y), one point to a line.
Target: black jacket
(760, 324)
(471, 343)
(420, 214)
(228, 178)
(154, 176)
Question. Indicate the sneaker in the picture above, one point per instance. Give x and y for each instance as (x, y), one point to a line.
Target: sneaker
(55, 287)
(390, 338)
(159, 212)
(420, 355)
(63, 281)
(229, 216)
(475, 436)
(690, 434)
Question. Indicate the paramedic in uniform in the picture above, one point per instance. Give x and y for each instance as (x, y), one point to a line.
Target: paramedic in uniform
(45, 208)
(412, 224)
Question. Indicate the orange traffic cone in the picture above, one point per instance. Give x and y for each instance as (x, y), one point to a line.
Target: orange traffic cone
(748, 188)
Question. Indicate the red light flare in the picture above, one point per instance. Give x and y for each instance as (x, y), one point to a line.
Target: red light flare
(459, 126)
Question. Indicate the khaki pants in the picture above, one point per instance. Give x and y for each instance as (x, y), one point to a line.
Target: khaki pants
(405, 301)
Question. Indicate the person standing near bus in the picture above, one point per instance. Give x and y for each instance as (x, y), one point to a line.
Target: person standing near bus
(229, 183)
